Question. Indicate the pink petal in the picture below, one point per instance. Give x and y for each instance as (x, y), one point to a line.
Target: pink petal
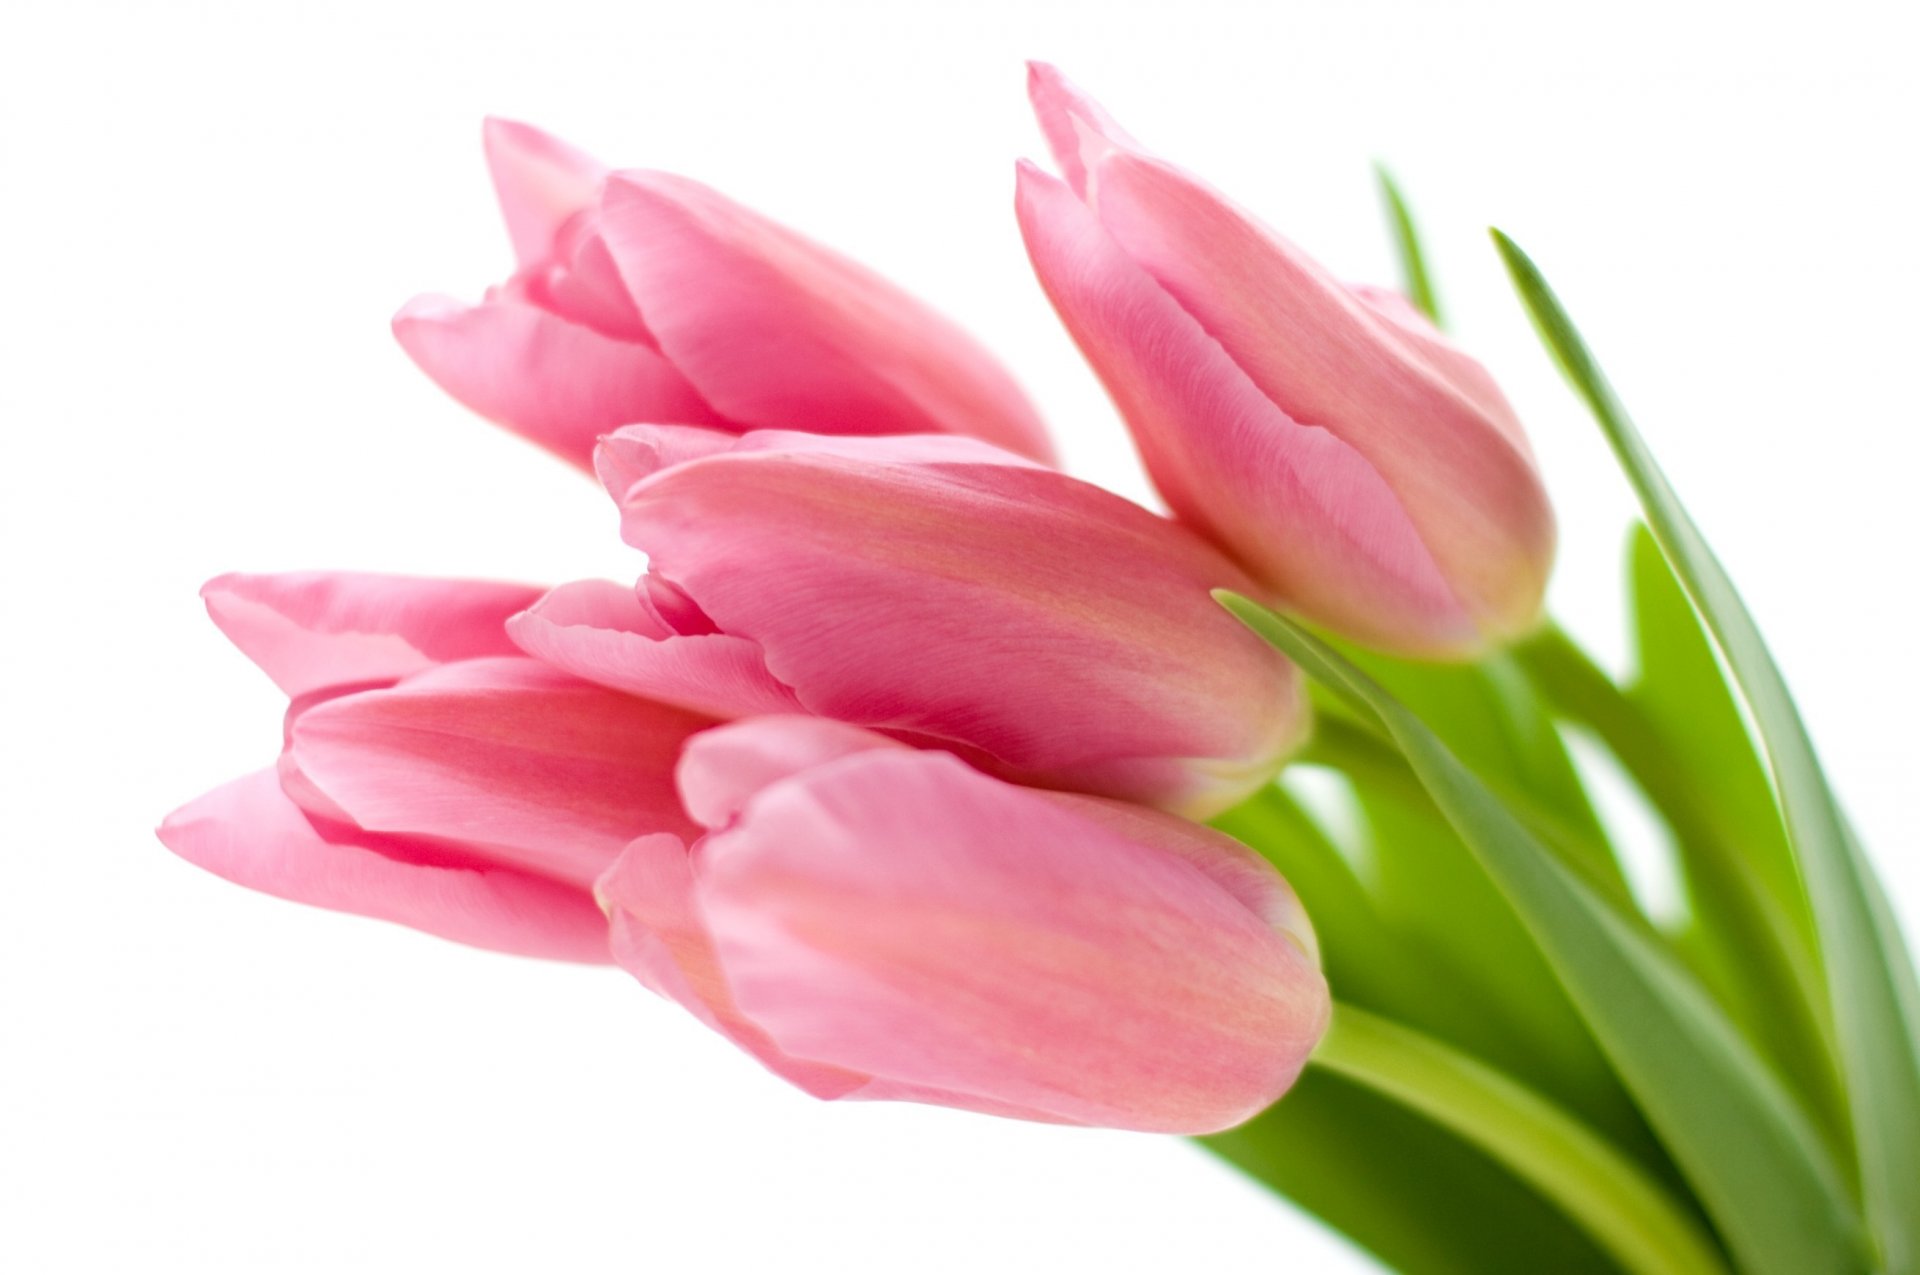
(666, 603)
(312, 630)
(1445, 444)
(1066, 114)
(722, 769)
(541, 182)
(1308, 512)
(1304, 510)
(600, 631)
(580, 284)
(540, 770)
(1245, 877)
(897, 914)
(251, 834)
(554, 382)
(777, 331)
(659, 938)
(1467, 374)
(931, 590)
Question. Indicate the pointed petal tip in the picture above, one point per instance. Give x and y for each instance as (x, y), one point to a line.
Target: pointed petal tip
(498, 130)
(413, 322)
(721, 770)
(225, 583)
(650, 186)
(633, 453)
(1044, 78)
(1033, 185)
(504, 131)
(170, 830)
(510, 142)
(540, 182)
(1070, 118)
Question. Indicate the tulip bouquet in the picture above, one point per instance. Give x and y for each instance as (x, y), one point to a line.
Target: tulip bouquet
(919, 769)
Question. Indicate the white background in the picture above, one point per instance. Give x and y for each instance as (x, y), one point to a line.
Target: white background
(207, 213)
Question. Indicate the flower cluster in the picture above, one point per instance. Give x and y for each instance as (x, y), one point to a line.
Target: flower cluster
(889, 767)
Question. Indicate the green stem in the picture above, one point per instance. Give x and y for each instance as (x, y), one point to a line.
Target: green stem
(1607, 1193)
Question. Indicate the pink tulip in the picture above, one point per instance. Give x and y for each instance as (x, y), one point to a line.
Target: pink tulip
(432, 774)
(876, 922)
(1328, 437)
(645, 297)
(937, 589)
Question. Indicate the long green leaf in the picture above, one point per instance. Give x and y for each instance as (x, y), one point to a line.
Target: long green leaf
(1376, 959)
(1484, 986)
(1646, 1229)
(1750, 1153)
(1676, 730)
(1490, 717)
(1860, 948)
(1417, 1196)
(1406, 238)
(1679, 688)
(1356, 947)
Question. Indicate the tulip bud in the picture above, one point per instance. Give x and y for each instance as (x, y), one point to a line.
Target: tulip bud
(642, 296)
(941, 591)
(432, 775)
(1328, 437)
(876, 922)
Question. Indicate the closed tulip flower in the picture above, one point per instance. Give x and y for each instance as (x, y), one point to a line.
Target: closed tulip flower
(876, 922)
(937, 589)
(432, 774)
(1329, 437)
(643, 296)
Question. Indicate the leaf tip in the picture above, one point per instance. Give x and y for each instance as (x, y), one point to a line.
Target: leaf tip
(1509, 250)
(1242, 607)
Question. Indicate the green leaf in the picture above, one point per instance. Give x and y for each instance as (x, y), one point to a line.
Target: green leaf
(1357, 950)
(1406, 237)
(1416, 1196)
(1490, 717)
(1741, 938)
(1679, 688)
(1420, 1198)
(1482, 983)
(1750, 1153)
(1646, 1229)
(1369, 962)
(1864, 958)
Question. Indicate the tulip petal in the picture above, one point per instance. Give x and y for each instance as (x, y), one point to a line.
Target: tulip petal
(723, 768)
(1060, 675)
(541, 182)
(251, 834)
(777, 331)
(1324, 357)
(600, 631)
(1304, 509)
(628, 457)
(659, 938)
(314, 630)
(1065, 114)
(1468, 375)
(898, 914)
(539, 769)
(557, 383)
(581, 284)
(1246, 878)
